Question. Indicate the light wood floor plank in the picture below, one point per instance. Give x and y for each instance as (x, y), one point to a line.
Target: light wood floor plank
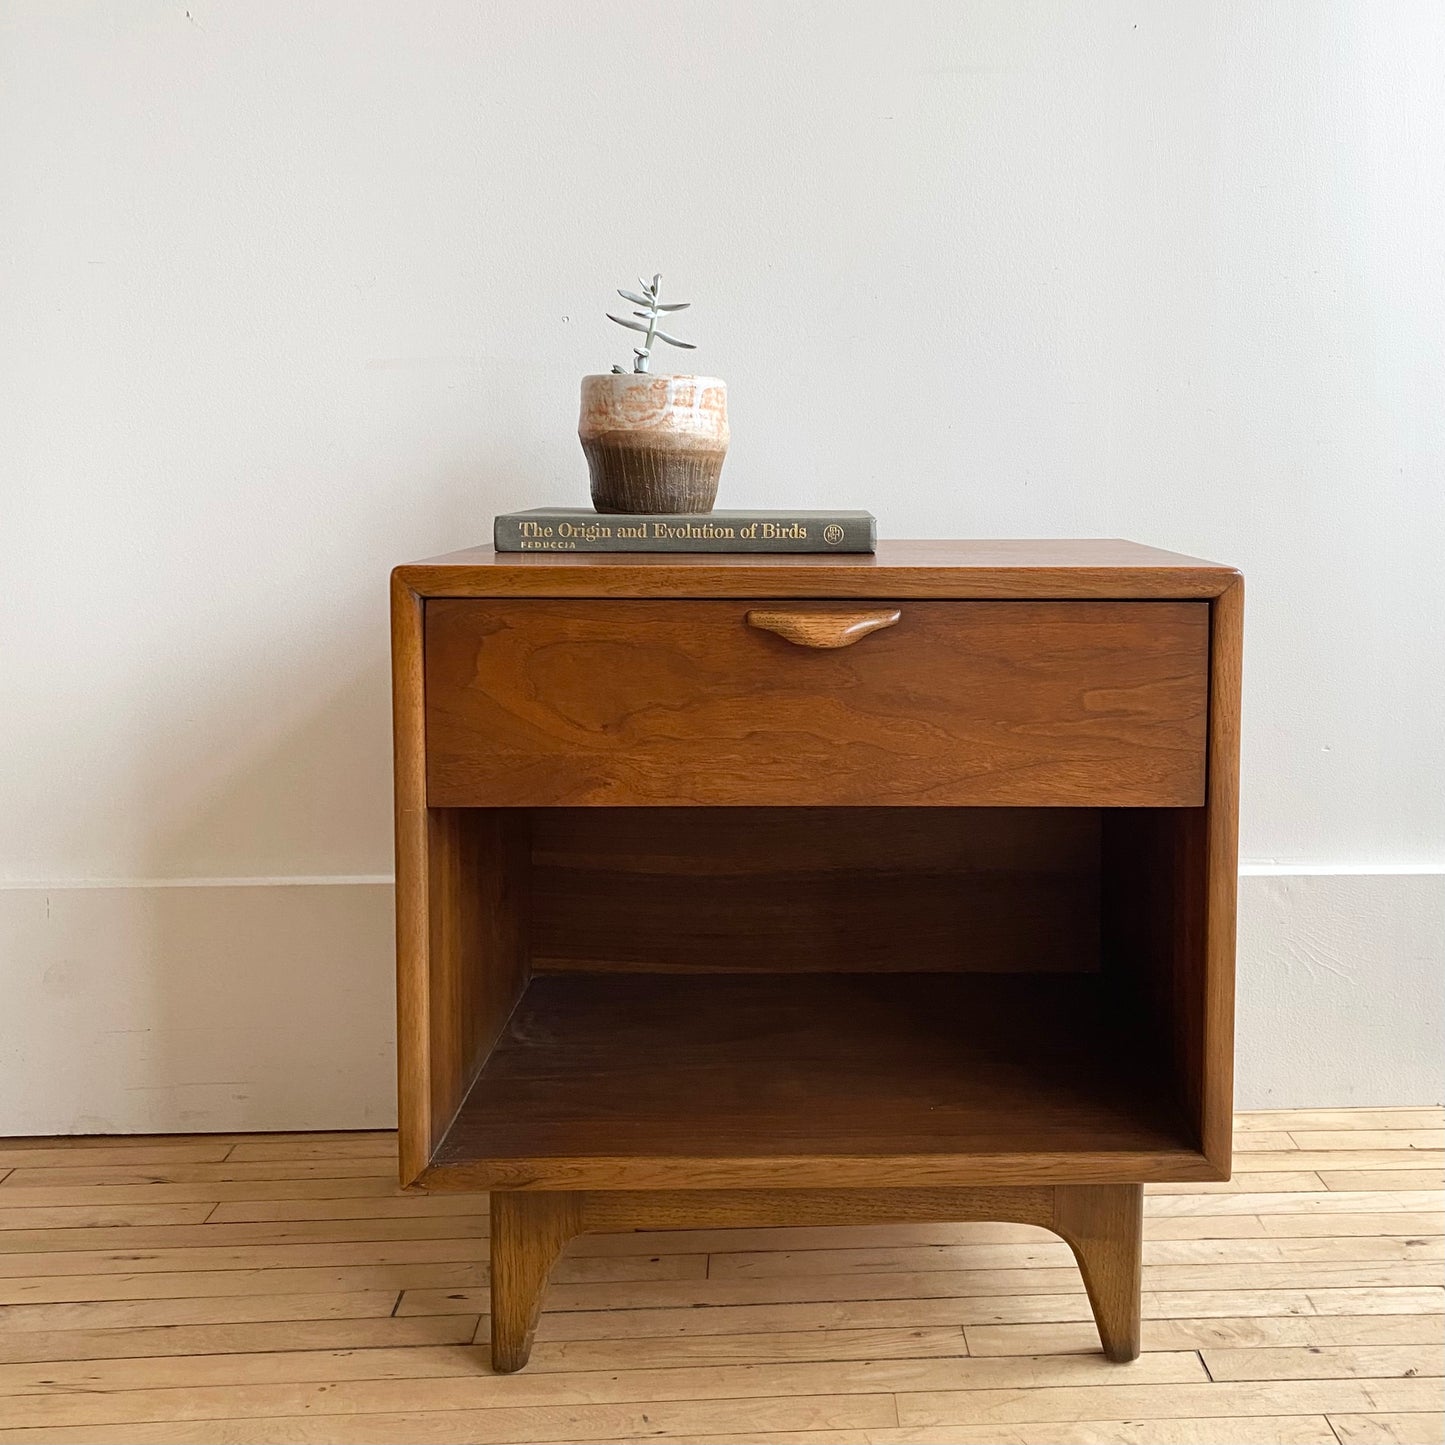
(1354, 1160)
(235, 1339)
(1411, 1177)
(1260, 1141)
(158, 1155)
(1327, 1362)
(1170, 1402)
(198, 1284)
(516, 1426)
(1289, 1120)
(1426, 1139)
(124, 1314)
(1423, 1225)
(38, 1196)
(1253, 1430)
(296, 1262)
(1351, 1201)
(1202, 1304)
(376, 1147)
(329, 1231)
(60, 1217)
(225, 1171)
(1424, 1428)
(393, 1205)
(147, 1142)
(1203, 1334)
(106, 1263)
(1288, 1181)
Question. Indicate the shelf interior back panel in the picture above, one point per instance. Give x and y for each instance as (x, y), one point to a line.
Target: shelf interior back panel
(815, 889)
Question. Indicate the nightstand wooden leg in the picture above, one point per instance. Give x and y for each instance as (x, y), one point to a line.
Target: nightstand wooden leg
(1104, 1225)
(529, 1233)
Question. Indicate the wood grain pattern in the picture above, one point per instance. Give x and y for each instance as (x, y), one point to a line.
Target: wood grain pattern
(530, 1230)
(418, 1133)
(815, 889)
(794, 1347)
(814, 627)
(544, 703)
(1104, 1226)
(529, 1233)
(1169, 883)
(1221, 874)
(461, 953)
(666, 1081)
(478, 947)
(1103, 568)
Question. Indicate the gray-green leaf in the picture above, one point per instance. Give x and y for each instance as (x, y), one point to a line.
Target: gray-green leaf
(674, 341)
(630, 325)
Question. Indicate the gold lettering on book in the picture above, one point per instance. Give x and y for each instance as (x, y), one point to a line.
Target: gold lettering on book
(540, 532)
(692, 532)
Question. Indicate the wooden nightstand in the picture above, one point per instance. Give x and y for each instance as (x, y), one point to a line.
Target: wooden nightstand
(763, 890)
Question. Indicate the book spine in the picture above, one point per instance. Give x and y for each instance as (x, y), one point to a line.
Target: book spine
(623, 533)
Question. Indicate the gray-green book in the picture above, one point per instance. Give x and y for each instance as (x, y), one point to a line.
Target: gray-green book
(578, 529)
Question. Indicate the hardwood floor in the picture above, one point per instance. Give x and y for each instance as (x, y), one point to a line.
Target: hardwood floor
(256, 1288)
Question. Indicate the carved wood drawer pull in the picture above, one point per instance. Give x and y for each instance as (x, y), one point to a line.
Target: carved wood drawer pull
(822, 629)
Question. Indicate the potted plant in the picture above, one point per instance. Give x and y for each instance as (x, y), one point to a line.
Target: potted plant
(653, 443)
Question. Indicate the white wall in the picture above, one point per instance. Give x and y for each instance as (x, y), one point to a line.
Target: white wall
(297, 290)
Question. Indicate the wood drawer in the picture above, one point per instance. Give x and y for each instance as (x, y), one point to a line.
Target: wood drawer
(1024, 704)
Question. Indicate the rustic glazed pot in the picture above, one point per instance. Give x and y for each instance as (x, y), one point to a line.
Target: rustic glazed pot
(654, 443)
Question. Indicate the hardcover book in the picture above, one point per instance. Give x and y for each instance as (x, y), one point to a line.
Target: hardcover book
(578, 529)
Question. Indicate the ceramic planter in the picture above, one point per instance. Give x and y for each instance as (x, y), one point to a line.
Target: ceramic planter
(654, 443)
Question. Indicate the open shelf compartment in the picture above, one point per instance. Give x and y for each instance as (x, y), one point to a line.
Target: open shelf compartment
(757, 997)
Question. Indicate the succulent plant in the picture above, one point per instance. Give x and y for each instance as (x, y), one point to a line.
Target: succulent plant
(647, 319)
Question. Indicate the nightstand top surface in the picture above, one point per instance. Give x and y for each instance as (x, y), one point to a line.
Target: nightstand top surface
(1093, 567)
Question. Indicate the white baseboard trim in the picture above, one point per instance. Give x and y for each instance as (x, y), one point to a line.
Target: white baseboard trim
(188, 1005)
(212, 1007)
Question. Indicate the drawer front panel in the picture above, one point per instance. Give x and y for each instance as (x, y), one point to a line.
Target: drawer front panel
(968, 703)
